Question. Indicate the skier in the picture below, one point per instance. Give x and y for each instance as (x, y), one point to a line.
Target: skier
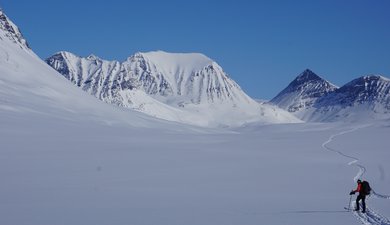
(363, 189)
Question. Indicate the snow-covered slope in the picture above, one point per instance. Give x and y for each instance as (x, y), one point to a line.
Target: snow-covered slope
(29, 87)
(184, 87)
(366, 97)
(301, 94)
(11, 32)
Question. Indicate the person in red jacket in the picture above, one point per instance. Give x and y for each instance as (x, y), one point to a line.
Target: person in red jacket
(361, 196)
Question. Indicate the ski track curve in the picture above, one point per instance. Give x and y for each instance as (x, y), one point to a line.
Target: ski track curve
(377, 195)
(371, 217)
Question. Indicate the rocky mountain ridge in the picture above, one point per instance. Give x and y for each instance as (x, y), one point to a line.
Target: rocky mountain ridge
(312, 98)
(164, 85)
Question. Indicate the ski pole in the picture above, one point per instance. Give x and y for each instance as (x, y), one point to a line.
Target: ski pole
(349, 205)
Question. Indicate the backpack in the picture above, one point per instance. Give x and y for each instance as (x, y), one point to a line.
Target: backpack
(366, 189)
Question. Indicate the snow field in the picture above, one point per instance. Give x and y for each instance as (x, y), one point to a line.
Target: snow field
(88, 173)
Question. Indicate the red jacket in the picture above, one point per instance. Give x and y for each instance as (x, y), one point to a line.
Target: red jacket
(359, 187)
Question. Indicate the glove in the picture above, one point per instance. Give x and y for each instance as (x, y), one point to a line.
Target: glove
(351, 193)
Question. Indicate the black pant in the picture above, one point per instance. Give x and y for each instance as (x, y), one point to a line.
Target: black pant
(363, 198)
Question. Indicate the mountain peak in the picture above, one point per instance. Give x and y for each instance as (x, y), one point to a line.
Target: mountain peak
(307, 75)
(372, 77)
(12, 31)
(367, 82)
(64, 53)
(60, 56)
(171, 61)
(69, 55)
(303, 92)
(93, 57)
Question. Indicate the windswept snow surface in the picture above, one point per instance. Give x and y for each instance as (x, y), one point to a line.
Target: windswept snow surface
(64, 172)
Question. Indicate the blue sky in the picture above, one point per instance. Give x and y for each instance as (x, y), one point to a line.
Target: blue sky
(262, 45)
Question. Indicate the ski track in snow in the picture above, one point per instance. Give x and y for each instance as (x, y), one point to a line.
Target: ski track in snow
(370, 217)
(376, 195)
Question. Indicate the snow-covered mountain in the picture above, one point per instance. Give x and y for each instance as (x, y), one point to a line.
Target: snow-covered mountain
(188, 88)
(303, 92)
(367, 97)
(184, 87)
(30, 90)
(372, 90)
(176, 79)
(312, 98)
(10, 31)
